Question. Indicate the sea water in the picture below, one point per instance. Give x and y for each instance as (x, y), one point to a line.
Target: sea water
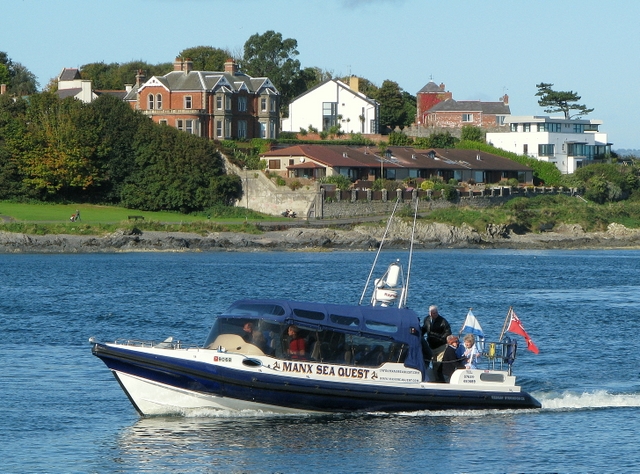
(63, 411)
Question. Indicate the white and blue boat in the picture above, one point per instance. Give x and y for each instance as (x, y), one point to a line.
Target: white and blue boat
(354, 358)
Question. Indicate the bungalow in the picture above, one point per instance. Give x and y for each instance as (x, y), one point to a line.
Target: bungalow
(396, 163)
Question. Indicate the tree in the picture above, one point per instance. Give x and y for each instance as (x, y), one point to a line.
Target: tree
(206, 58)
(560, 101)
(471, 133)
(392, 112)
(19, 79)
(268, 55)
(114, 76)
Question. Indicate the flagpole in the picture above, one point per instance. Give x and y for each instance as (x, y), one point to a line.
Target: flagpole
(504, 326)
(463, 323)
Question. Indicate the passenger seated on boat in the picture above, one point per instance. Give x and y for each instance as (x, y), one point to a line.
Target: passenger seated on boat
(252, 336)
(297, 344)
(374, 358)
(450, 360)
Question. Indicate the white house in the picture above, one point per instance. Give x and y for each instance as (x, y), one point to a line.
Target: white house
(331, 103)
(70, 84)
(569, 144)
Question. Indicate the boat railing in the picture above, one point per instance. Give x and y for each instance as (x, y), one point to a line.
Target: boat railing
(498, 355)
(168, 343)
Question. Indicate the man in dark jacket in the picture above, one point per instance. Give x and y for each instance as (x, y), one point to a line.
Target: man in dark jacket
(436, 329)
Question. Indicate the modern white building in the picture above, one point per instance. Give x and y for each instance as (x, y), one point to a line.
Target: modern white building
(569, 144)
(330, 103)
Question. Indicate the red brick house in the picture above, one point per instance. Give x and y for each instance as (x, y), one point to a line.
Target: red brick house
(215, 105)
(436, 108)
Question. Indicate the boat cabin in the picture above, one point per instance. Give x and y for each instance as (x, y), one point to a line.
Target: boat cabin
(365, 336)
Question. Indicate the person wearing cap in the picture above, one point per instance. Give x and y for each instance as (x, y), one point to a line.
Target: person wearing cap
(450, 360)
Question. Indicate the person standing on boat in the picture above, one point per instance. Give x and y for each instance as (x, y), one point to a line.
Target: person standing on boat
(436, 329)
(450, 359)
(297, 345)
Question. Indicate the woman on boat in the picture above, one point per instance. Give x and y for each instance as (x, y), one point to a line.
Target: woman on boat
(451, 361)
(471, 353)
(297, 345)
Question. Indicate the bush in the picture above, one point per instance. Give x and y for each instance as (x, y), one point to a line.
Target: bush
(342, 182)
(280, 181)
(295, 184)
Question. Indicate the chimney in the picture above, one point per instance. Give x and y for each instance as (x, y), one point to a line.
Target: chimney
(230, 66)
(140, 77)
(442, 86)
(177, 64)
(354, 83)
(505, 99)
(3, 89)
(187, 65)
(128, 87)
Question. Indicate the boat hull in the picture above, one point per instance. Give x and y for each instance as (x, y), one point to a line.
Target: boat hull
(161, 382)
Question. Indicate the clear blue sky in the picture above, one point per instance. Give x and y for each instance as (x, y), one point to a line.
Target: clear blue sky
(479, 49)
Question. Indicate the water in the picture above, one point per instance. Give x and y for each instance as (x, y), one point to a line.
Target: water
(62, 410)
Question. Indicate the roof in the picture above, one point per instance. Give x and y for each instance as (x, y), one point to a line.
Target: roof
(69, 74)
(451, 105)
(399, 157)
(210, 81)
(432, 87)
(340, 84)
(120, 94)
(64, 93)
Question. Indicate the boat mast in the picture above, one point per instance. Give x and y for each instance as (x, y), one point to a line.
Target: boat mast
(405, 290)
(366, 285)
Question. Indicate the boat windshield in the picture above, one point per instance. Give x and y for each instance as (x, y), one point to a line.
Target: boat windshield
(263, 337)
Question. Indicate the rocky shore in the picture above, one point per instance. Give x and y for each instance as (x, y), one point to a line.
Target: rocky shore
(359, 237)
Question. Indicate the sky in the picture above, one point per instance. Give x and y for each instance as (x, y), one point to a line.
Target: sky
(480, 50)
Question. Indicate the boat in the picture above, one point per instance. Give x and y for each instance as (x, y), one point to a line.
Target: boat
(350, 358)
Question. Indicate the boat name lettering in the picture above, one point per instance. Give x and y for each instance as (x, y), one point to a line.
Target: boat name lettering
(468, 379)
(221, 359)
(321, 369)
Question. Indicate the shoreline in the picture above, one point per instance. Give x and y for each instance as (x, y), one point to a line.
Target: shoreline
(305, 238)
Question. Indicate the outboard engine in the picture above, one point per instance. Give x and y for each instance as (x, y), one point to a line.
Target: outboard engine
(387, 288)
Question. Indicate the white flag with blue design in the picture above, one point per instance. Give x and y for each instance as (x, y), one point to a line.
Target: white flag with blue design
(472, 326)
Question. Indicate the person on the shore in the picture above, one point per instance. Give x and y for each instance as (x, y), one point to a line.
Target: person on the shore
(450, 360)
(436, 329)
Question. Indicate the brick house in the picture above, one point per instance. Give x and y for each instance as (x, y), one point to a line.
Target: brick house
(215, 105)
(436, 108)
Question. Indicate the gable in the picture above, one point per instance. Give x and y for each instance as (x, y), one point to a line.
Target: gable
(154, 82)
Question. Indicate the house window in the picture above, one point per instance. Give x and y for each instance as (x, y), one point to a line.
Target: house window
(263, 130)
(163, 122)
(578, 128)
(180, 124)
(227, 128)
(545, 150)
(187, 102)
(526, 127)
(273, 104)
(242, 104)
(272, 129)
(391, 173)
(525, 149)
(329, 115)
(242, 129)
(499, 119)
(274, 164)
(159, 102)
(189, 126)
(550, 127)
(513, 127)
(219, 128)
(151, 102)
(219, 102)
(467, 117)
(291, 161)
(263, 104)
(227, 102)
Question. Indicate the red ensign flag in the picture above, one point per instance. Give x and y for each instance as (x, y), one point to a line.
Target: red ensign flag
(515, 326)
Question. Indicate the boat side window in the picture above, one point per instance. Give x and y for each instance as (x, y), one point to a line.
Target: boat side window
(256, 310)
(344, 320)
(372, 352)
(308, 314)
(381, 327)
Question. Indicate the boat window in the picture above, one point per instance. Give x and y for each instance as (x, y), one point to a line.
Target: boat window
(372, 352)
(307, 314)
(344, 320)
(262, 334)
(257, 310)
(492, 377)
(381, 327)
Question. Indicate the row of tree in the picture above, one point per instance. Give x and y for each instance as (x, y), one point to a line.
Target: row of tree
(104, 152)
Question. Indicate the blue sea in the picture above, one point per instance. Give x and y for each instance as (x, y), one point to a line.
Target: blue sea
(63, 411)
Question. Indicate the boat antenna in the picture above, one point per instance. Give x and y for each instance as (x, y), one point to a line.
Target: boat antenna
(405, 289)
(366, 285)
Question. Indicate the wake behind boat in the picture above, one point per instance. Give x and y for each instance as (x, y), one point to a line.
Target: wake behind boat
(285, 356)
